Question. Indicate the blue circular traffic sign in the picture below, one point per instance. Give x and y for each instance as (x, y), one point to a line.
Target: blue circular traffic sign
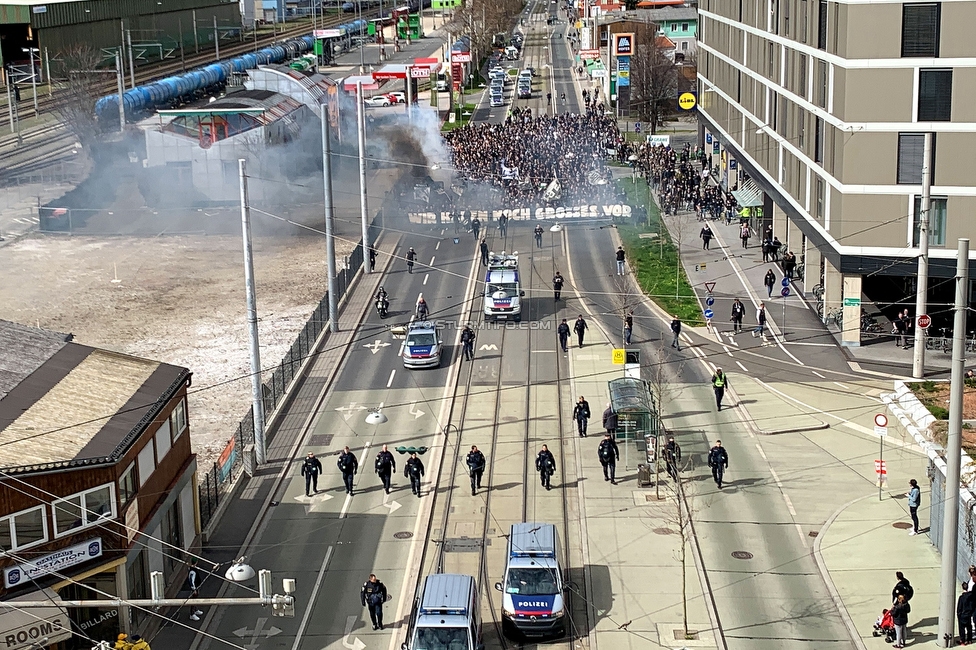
(785, 282)
(785, 292)
(709, 301)
(709, 313)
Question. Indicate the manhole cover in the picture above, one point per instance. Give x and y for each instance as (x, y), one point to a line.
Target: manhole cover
(904, 525)
(742, 555)
(403, 534)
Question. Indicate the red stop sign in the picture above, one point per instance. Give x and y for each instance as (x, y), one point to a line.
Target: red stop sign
(924, 321)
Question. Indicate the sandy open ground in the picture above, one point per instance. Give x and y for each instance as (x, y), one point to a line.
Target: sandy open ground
(179, 300)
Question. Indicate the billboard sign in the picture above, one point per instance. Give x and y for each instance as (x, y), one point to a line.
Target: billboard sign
(623, 71)
(55, 562)
(623, 44)
(328, 33)
(460, 57)
(589, 55)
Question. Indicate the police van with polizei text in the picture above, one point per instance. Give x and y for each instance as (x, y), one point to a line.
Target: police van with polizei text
(446, 615)
(532, 601)
(503, 289)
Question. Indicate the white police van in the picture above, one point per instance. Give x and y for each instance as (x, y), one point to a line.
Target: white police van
(421, 348)
(503, 289)
(533, 601)
(447, 615)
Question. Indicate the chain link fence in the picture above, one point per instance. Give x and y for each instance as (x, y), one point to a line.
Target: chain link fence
(213, 485)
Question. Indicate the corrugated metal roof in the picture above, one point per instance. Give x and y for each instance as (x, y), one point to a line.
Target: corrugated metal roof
(73, 12)
(664, 13)
(23, 350)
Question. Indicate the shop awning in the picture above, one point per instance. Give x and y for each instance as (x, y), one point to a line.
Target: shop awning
(23, 628)
(349, 83)
(749, 196)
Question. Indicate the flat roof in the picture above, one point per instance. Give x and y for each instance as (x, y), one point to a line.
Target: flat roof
(22, 351)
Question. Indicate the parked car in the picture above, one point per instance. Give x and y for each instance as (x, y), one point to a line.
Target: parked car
(377, 100)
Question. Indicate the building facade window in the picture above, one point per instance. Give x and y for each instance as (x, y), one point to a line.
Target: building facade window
(684, 27)
(771, 61)
(804, 20)
(171, 532)
(820, 197)
(146, 462)
(801, 89)
(23, 529)
(138, 579)
(911, 153)
(934, 95)
(127, 484)
(822, 25)
(178, 418)
(818, 140)
(83, 509)
(937, 221)
(920, 27)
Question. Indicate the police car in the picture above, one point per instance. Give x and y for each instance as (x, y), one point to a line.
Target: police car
(421, 347)
(532, 601)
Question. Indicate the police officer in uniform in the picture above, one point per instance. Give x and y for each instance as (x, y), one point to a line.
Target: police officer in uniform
(563, 332)
(672, 456)
(348, 465)
(475, 461)
(483, 247)
(411, 256)
(467, 343)
(580, 328)
(373, 595)
(581, 413)
(476, 227)
(311, 468)
(538, 236)
(718, 460)
(719, 382)
(557, 284)
(414, 470)
(503, 225)
(609, 455)
(385, 465)
(545, 464)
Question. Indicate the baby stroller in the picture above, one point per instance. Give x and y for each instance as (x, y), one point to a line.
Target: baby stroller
(884, 626)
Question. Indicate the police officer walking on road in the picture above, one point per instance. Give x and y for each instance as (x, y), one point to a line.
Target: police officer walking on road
(672, 456)
(373, 596)
(563, 332)
(385, 466)
(609, 455)
(467, 343)
(484, 252)
(538, 236)
(718, 460)
(348, 465)
(676, 330)
(738, 311)
(545, 464)
(476, 227)
(580, 328)
(414, 470)
(311, 468)
(719, 382)
(581, 413)
(411, 256)
(557, 284)
(475, 461)
(503, 225)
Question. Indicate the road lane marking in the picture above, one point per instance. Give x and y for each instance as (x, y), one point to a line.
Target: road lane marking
(761, 452)
(392, 374)
(818, 374)
(789, 504)
(375, 346)
(392, 505)
(311, 599)
(418, 413)
(842, 385)
(431, 261)
(426, 275)
(438, 247)
(345, 507)
(726, 348)
(853, 425)
(740, 365)
(355, 644)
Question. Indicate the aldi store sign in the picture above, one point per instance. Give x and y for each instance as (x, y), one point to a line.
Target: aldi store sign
(55, 562)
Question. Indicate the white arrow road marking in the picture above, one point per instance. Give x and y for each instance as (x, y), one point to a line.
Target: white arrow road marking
(349, 411)
(488, 346)
(416, 414)
(315, 503)
(256, 633)
(355, 644)
(392, 505)
(375, 346)
(311, 600)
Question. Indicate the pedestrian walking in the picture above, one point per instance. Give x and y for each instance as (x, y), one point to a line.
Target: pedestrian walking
(476, 227)
(581, 413)
(385, 466)
(620, 260)
(914, 495)
(744, 235)
(706, 235)
(899, 616)
(557, 284)
(610, 420)
(760, 321)
(538, 236)
(964, 612)
(349, 466)
(467, 343)
(475, 460)
(414, 470)
(719, 382)
(193, 580)
(676, 330)
(580, 328)
(373, 596)
(503, 225)
(545, 464)
(738, 311)
(718, 460)
(770, 282)
(311, 468)
(411, 258)
(609, 454)
(484, 252)
(422, 309)
(672, 456)
(372, 259)
(563, 332)
(628, 327)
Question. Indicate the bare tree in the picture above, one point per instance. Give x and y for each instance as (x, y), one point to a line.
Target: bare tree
(77, 93)
(654, 78)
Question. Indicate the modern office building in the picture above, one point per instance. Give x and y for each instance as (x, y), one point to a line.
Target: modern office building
(823, 106)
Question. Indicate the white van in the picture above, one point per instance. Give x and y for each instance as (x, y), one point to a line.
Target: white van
(533, 600)
(447, 615)
(503, 289)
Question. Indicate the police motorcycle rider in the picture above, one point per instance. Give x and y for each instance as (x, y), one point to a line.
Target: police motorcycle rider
(382, 303)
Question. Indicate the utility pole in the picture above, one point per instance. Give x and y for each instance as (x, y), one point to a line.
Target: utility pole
(409, 89)
(216, 40)
(330, 261)
(922, 284)
(122, 50)
(950, 501)
(257, 391)
(364, 208)
(120, 88)
(132, 65)
(182, 57)
(196, 38)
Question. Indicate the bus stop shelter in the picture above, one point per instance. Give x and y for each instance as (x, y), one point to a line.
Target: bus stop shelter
(638, 419)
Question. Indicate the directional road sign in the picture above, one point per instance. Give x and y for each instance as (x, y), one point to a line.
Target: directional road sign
(709, 313)
(709, 301)
(785, 282)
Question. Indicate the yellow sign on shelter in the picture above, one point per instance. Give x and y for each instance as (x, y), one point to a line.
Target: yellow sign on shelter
(619, 356)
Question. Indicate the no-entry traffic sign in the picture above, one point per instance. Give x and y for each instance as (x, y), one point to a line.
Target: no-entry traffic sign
(880, 420)
(924, 320)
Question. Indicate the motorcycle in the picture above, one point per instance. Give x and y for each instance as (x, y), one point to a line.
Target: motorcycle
(382, 307)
